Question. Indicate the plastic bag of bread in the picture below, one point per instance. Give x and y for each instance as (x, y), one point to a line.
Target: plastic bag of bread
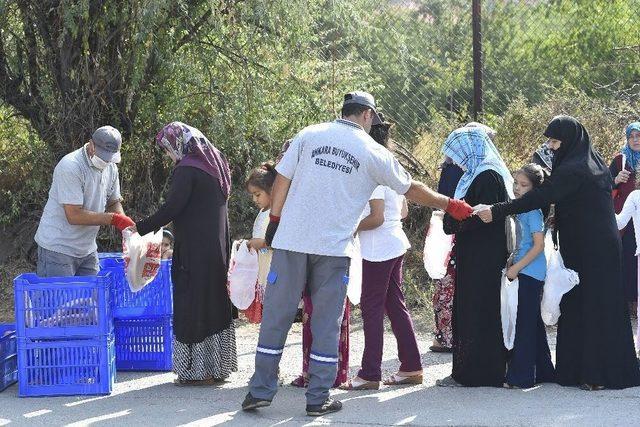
(142, 256)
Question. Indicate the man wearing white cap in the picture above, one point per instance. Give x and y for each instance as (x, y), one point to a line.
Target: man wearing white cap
(84, 194)
(325, 179)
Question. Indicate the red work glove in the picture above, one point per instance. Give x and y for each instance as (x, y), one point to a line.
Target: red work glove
(459, 209)
(121, 221)
(274, 221)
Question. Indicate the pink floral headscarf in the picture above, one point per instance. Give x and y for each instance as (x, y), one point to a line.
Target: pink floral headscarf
(192, 148)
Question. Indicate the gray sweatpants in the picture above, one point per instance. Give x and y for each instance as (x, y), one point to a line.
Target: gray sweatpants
(55, 264)
(326, 278)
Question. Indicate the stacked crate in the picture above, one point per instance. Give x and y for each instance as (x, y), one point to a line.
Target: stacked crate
(143, 319)
(8, 356)
(65, 338)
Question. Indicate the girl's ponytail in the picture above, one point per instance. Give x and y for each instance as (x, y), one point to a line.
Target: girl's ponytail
(262, 177)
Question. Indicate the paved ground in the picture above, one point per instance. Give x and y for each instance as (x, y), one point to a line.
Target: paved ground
(150, 399)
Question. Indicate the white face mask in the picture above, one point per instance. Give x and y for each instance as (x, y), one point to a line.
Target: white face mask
(98, 162)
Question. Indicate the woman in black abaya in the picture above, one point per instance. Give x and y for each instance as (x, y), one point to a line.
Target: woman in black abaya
(204, 346)
(479, 356)
(595, 343)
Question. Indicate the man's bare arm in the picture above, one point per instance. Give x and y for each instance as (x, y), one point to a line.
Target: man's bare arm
(423, 195)
(76, 215)
(279, 194)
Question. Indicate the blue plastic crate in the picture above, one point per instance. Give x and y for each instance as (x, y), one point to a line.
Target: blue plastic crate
(155, 299)
(66, 367)
(144, 344)
(63, 307)
(7, 340)
(8, 357)
(108, 255)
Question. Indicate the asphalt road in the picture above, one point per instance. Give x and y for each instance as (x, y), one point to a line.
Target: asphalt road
(151, 399)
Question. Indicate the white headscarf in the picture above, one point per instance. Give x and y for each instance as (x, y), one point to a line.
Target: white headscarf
(472, 149)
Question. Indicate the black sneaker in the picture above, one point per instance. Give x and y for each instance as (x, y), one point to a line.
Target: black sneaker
(250, 403)
(327, 407)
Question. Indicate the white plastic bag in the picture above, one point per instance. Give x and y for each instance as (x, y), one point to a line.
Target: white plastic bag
(437, 247)
(508, 309)
(354, 288)
(243, 275)
(141, 256)
(558, 282)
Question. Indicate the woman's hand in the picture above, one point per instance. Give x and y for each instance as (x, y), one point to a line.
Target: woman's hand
(256, 244)
(484, 212)
(622, 177)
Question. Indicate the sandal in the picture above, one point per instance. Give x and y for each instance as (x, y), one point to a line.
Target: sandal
(357, 383)
(187, 383)
(397, 379)
(591, 387)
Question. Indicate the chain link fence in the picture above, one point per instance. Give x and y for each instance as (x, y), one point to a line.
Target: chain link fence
(416, 57)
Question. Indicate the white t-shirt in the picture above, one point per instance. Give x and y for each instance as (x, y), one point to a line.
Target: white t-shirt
(333, 167)
(264, 255)
(387, 241)
(76, 182)
(631, 210)
(260, 224)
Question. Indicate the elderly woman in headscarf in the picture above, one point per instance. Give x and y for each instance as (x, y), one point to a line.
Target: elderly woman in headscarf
(479, 355)
(204, 350)
(595, 343)
(625, 176)
(442, 299)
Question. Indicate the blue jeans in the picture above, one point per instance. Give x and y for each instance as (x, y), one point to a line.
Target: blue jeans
(56, 264)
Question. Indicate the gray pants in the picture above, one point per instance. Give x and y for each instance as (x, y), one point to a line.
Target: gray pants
(326, 279)
(55, 264)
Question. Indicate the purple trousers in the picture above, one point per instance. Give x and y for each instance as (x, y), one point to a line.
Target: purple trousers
(382, 292)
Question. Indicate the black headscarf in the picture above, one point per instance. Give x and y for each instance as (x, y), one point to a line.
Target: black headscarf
(576, 154)
(380, 132)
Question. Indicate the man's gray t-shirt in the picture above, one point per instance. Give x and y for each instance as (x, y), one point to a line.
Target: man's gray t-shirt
(333, 167)
(76, 182)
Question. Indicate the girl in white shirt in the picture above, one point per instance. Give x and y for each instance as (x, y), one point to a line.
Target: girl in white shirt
(259, 185)
(383, 245)
(631, 210)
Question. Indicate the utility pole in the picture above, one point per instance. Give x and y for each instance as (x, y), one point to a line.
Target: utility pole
(477, 58)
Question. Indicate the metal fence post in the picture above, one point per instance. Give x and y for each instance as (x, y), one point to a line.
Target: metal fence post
(477, 57)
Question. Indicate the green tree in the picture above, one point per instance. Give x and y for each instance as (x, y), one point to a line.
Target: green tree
(69, 66)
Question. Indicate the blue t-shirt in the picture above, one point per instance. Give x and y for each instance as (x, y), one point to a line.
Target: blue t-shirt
(529, 223)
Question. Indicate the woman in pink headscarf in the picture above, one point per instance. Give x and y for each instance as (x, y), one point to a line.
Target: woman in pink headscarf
(204, 338)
